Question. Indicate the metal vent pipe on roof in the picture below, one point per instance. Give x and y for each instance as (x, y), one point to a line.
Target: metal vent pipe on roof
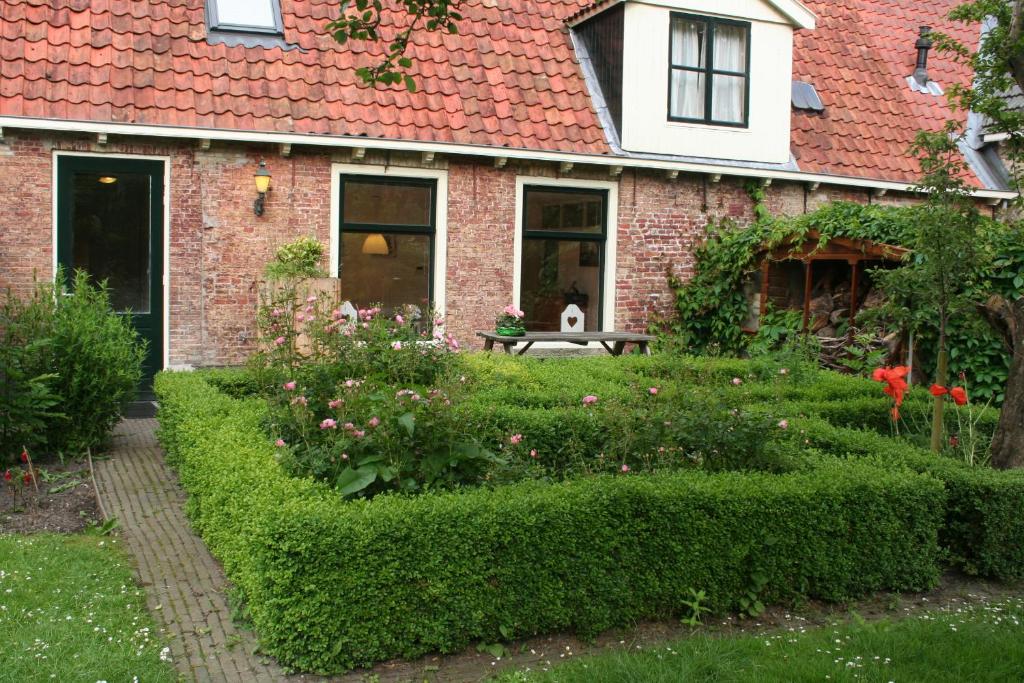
(923, 45)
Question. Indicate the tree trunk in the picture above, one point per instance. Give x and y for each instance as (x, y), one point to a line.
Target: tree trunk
(1008, 440)
(941, 374)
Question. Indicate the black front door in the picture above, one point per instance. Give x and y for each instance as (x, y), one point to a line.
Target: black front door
(110, 224)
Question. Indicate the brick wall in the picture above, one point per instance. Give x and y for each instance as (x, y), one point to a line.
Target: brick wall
(218, 247)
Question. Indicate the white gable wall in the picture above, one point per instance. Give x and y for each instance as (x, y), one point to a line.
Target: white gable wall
(645, 124)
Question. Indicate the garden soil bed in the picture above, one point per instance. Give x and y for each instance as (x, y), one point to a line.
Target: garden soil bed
(66, 502)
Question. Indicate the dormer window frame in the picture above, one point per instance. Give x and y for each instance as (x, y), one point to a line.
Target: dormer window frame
(214, 23)
(708, 70)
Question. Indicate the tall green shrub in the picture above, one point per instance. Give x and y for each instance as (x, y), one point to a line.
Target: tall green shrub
(69, 364)
(27, 400)
(97, 356)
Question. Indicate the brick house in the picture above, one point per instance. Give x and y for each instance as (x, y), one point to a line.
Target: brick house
(555, 150)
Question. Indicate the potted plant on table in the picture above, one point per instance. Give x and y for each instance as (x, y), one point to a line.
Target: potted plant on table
(510, 322)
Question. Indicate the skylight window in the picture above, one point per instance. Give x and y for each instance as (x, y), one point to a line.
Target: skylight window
(247, 16)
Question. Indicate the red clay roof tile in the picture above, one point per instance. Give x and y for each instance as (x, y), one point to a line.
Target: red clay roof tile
(510, 79)
(858, 59)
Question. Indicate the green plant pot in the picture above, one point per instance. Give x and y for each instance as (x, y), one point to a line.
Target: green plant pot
(511, 331)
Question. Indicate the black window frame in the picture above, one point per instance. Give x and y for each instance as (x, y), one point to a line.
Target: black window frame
(709, 70)
(214, 24)
(369, 228)
(601, 238)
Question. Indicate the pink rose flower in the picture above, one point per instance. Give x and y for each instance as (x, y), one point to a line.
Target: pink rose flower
(359, 433)
(349, 426)
(533, 452)
(300, 317)
(329, 423)
(397, 346)
(783, 424)
(737, 381)
(279, 443)
(589, 400)
(311, 299)
(653, 391)
(374, 421)
(279, 341)
(276, 313)
(333, 405)
(516, 438)
(399, 319)
(289, 386)
(625, 468)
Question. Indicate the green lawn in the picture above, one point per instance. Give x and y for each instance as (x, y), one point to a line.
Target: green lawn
(70, 611)
(979, 642)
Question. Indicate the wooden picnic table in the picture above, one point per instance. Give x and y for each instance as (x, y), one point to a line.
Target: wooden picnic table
(613, 342)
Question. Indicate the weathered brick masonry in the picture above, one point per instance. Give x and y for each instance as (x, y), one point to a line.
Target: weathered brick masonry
(218, 247)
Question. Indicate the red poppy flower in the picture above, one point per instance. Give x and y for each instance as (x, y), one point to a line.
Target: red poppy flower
(895, 381)
(938, 390)
(7, 475)
(24, 455)
(959, 395)
(954, 441)
(26, 479)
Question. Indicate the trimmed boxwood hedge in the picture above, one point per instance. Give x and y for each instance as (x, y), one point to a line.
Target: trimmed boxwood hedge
(332, 584)
(983, 532)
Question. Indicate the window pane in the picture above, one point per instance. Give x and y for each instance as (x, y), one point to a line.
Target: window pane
(110, 219)
(687, 94)
(259, 13)
(729, 98)
(730, 48)
(557, 273)
(386, 203)
(391, 269)
(689, 43)
(565, 211)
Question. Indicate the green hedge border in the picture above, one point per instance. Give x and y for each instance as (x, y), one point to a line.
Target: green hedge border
(332, 584)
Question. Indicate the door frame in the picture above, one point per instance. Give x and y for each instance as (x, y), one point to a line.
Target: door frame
(165, 276)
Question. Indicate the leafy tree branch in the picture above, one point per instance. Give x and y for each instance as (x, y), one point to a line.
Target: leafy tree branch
(363, 20)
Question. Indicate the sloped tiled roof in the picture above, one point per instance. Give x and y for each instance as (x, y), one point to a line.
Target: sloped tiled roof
(509, 79)
(858, 59)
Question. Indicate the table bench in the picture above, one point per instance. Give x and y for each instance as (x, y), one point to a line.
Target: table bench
(613, 342)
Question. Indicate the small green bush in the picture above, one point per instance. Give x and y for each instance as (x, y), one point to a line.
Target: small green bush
(79, 358)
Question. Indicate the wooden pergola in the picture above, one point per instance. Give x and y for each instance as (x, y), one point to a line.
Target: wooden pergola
(807, 249)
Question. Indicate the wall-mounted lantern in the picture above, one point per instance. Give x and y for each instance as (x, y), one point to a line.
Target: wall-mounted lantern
(262, 178)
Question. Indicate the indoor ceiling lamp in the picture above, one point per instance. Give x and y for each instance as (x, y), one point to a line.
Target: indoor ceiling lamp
(375, 244)
(107, 179)
(262, 178)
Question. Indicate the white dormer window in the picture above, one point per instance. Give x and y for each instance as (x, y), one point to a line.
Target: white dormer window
(709, 51)
(245, 16)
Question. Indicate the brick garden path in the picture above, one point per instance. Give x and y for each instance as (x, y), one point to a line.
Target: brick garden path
(184, 584)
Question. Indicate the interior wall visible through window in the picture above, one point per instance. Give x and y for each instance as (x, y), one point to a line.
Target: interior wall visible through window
(563, 258)
(387, 243)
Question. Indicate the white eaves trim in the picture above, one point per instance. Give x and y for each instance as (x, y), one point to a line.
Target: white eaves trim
(794, 10)
(417, 147)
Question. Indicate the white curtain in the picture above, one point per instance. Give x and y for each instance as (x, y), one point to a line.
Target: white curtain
(728, 93)
(688, 49)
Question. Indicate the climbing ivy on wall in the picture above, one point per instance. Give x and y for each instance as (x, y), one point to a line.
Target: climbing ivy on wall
(711, 306)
